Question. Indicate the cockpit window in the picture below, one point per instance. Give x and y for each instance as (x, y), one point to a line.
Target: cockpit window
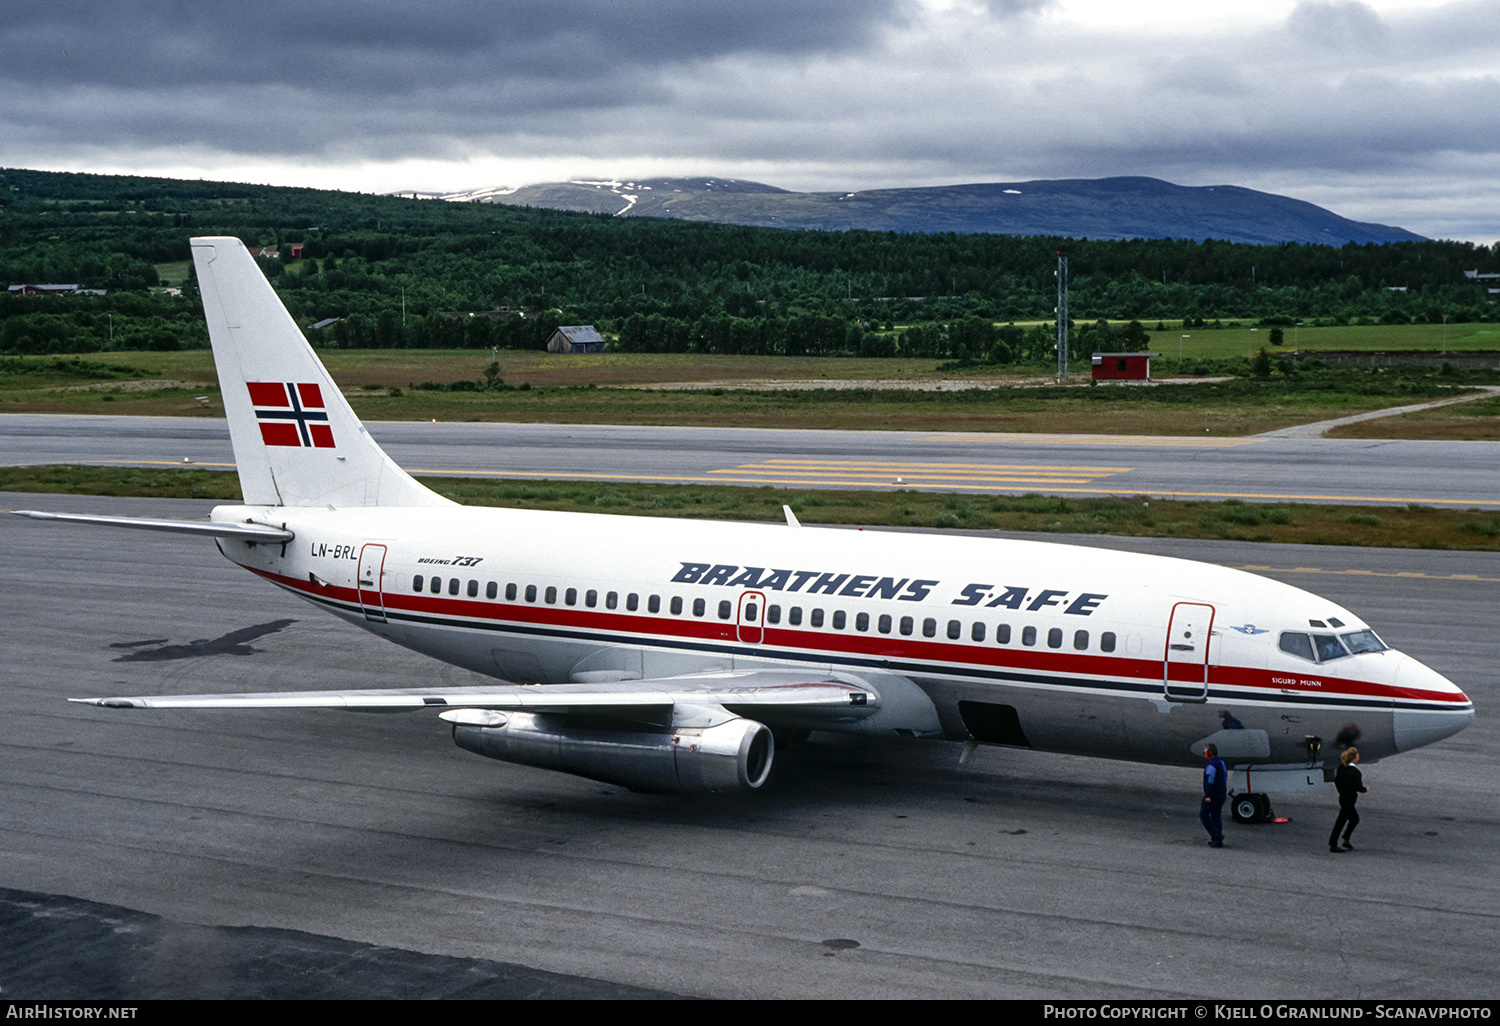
(1321, 648)
(1363, 641)
(1297, 644)
(1329, 647)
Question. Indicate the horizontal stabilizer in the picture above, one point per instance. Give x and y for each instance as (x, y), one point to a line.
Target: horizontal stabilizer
(247, 531)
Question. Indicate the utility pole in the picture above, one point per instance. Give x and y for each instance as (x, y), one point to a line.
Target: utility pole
(1062, 317)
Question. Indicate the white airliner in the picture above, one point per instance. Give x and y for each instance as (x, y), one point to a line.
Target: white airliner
(669, 654)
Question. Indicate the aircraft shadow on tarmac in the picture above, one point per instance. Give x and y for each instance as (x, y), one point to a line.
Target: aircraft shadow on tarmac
(235, 642)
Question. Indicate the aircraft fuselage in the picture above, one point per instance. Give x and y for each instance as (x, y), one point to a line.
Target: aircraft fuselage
(1054, 647)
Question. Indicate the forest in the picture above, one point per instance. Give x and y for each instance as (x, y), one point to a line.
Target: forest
(393, 272)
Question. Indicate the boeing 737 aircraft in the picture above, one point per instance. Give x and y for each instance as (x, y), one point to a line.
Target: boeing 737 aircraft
(669, 655)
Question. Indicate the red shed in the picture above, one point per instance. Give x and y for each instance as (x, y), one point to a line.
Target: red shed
(1123, 366)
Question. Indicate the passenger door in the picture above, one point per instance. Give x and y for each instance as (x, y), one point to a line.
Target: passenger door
(1185, 663)
(371, 582)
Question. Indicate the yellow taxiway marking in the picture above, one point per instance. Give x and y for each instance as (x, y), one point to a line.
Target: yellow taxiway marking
(881, 472)
(1153, 441)
(883, 465)
(162, 463)
(1259, 568)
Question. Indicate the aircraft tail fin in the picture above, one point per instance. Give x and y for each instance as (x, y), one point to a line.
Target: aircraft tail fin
(296, 440)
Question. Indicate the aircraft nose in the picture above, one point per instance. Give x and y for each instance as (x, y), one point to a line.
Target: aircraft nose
(1447, 715)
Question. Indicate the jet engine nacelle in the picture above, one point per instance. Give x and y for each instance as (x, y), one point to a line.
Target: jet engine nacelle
(733, 754)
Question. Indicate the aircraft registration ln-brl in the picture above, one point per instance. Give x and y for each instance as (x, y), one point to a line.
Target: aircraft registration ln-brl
(668, 655)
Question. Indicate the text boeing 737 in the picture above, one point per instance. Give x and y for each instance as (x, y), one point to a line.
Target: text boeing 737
(672, 651)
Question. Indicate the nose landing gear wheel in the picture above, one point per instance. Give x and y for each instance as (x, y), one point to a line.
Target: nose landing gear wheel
(1251, 808)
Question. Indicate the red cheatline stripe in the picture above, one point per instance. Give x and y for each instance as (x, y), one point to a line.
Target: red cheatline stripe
(868, 646)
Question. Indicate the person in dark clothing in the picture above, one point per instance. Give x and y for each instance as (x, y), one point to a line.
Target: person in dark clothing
(1215, 790)
(1350, 784)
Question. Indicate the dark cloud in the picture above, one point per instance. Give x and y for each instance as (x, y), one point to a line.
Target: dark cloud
(386, 45)
(290, 77)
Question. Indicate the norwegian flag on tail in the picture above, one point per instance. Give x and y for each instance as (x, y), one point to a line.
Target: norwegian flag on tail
(291, 413)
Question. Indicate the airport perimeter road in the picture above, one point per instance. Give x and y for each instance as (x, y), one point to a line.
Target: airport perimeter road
(1458, 474)
(373, 857)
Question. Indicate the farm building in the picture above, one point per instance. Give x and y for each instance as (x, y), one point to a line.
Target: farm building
(1122, 366)
(580, 338)
(31, 289)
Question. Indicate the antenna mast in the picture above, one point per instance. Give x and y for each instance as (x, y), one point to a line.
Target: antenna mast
(1062, 317)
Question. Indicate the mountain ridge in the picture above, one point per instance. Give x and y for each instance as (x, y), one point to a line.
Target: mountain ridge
(1095, 208)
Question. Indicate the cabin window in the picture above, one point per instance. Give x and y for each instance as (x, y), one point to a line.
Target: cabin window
(794, 615)
(929, 628)
(838, 620)
(816, 618)
(1297, 644)
(611, 599)
(1081, 640)
(453, 586)
(1107, 641)
(1028, 635)
(773, 614)
(591, 598)
(726, 610)
(632, 602)
(530, 593)
(570, 596)
(675, 606)
(550, 595)
(653, 604)
(416, 583)
(977, 631)
(700, 606)
(1054, 638)
(491, 590)
(955, 630)
(436, 586)
(884, 623)
(906, 625)
(862, 622)
(1002, 634)
(473, 589)
(510, 592)
(751, 610)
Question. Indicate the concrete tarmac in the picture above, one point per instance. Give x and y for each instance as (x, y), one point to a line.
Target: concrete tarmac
(1258, 468)
(288, 853)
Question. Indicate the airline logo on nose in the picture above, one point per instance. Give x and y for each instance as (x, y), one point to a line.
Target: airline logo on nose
(291, 413)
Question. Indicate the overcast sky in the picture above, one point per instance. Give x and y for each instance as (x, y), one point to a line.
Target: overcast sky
(1387, 110)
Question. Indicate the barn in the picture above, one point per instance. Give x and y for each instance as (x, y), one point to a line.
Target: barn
(580, 338)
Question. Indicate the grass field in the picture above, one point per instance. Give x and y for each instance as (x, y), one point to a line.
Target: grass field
(617, 389)
(1415, 527)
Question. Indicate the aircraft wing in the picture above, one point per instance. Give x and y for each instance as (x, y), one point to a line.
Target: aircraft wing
(769, 693)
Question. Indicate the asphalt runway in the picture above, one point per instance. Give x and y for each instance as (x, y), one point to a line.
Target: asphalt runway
(1257, 468)
(294, 853)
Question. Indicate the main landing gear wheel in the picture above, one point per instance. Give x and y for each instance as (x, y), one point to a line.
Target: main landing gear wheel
(1251, 808)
